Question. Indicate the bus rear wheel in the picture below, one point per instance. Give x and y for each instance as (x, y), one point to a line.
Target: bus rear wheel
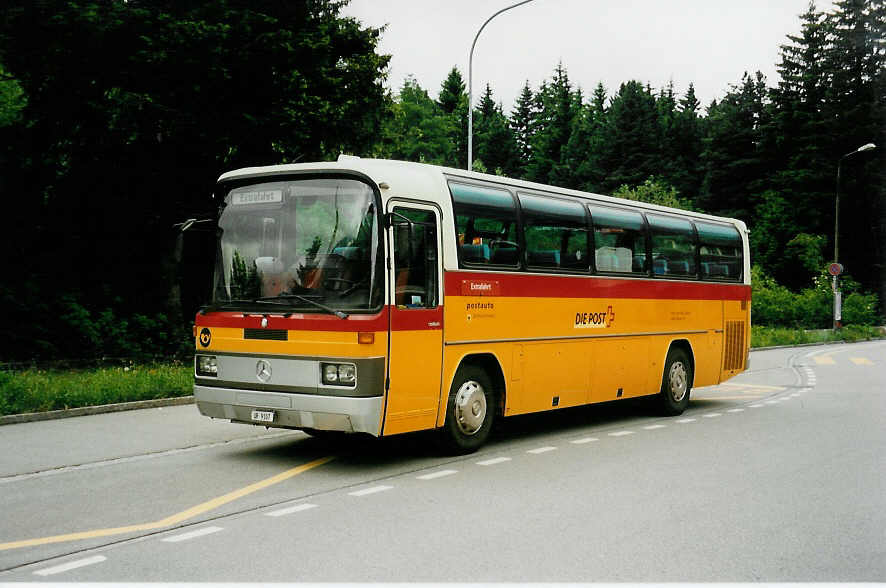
(469, 411)
(676, 383)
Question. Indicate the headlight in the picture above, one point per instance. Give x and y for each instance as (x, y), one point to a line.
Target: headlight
(347, 374)
(339, 374)
(207, 366)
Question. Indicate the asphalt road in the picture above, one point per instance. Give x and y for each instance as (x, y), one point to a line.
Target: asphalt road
(777, 475)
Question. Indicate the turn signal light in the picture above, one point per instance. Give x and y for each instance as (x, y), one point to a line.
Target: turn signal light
(366, 338)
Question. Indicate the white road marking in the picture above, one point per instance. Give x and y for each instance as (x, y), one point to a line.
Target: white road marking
(756, 406)
(686, 421)
(73, 565)
(542, 450)
(493, 461)
(621, 433)
(368, 491)
(771, 402)
(735, 410)
(653, 427)
(435, 475)
(192, 534)
(712, 415)
(290, 510)
(584, 440)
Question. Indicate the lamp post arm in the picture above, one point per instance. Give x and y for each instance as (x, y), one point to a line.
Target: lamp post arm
(471, 80)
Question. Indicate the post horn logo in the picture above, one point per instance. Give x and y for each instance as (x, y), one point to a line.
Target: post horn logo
(205, 337)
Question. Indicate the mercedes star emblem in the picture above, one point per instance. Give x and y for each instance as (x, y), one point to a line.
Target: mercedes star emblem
(263, 371)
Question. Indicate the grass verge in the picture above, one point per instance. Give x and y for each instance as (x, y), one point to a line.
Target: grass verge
(773, 336)
(36, 390)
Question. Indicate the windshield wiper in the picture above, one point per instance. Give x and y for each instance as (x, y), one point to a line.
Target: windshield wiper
(272, 300)
(236, 301)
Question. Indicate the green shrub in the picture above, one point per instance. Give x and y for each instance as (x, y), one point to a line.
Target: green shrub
(774, 305)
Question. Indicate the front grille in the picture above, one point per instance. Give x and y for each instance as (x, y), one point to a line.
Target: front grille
(734, 357)
(266, 334)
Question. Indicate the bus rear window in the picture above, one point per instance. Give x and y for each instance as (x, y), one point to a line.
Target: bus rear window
(720, 252)
(485, 225)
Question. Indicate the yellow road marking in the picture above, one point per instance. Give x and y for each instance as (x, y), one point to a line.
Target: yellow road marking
(824, 360)
(861, 361)
(176, 518)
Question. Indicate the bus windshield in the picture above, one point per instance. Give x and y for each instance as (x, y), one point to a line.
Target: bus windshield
(308, 245)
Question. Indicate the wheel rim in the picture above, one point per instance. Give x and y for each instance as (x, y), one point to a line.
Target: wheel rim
(470, 407)
(678, 381)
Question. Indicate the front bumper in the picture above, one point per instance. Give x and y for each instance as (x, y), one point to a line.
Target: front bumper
(293, 411)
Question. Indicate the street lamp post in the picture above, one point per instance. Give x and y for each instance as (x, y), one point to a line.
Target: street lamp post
(836, 273)
(470, 82)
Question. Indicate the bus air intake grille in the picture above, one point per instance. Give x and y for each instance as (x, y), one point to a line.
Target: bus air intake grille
(266, 334)
(734, 345)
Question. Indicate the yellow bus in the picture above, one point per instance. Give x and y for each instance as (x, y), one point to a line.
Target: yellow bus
(385, 297)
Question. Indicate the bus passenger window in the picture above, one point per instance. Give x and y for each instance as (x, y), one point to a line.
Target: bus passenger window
(619, 241)
(486, 225)
(555, 232)
(673, 246)
(720, 252)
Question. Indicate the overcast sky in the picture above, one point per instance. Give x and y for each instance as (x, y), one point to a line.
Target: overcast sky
(707, 42)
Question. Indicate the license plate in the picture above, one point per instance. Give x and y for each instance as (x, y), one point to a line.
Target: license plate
(263, 416)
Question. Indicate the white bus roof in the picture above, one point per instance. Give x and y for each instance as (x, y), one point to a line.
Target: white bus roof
(410, 179)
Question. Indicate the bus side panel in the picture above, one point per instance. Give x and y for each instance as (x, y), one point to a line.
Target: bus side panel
(621, 369)
(555, 374)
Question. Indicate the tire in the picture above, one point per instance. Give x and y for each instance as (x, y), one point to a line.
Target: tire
(470, 411)
(676, 383)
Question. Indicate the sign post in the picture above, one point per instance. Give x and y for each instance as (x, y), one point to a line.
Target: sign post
(835, 269)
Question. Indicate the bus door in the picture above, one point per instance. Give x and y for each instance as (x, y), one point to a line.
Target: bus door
(416, 318)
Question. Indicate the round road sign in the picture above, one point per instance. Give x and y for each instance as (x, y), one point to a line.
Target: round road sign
(835, 269)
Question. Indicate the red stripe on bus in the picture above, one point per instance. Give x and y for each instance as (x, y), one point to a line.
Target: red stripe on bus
(417, 319)
(547, 286)
(409, 319)
(298, 322)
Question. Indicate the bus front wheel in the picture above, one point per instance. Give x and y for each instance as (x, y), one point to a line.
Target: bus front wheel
(676, 383)
(469, 411)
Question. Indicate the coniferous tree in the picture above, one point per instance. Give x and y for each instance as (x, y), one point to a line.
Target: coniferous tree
(453, 103)
(685, 146)
(521, 122)
(495, 144)
(731, 158)
(632, 138)
(558, 106)
(856, 60)
(452, 91)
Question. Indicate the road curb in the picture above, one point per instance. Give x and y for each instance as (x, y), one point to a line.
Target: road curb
(818, 344)
(31, 417)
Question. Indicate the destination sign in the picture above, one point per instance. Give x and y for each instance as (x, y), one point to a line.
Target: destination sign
(257, 197)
